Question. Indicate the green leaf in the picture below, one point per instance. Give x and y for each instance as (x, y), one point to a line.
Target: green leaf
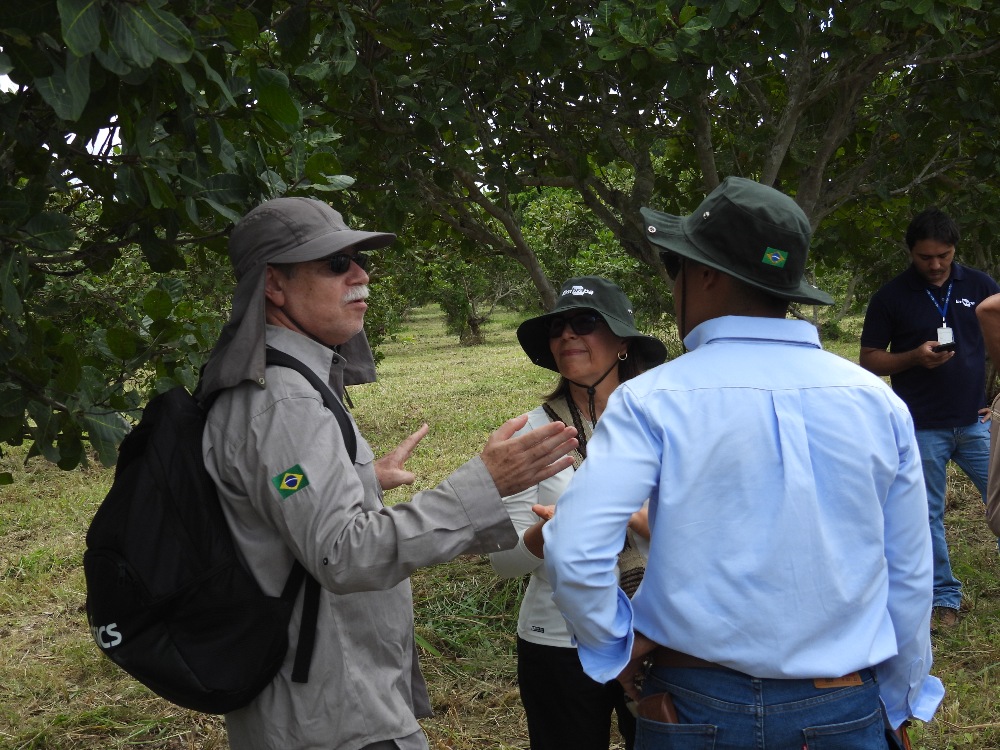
(157, 304)
(314, 71)
(105, 432)
(225, 187)
(12, 429)
(159, 192)
(126, 38)
(221, 146)
(122, 343)
(67, 91)
(144, 34)
(71, 453)
(332, 183)
(129, 186)
(628, 32)
(44, 431)
(67, 376)
(14, 208)
(719, 15)
(223, 210)
(162, 33)
(11, 277)
(321, 164)
(344, 61)
(274, 98)
(611, 52)
(665, 50)
(50, 230)
(161, 254)
(81, 25)
(216, 78)
(12, 400)
(700, 23)
(242, 27)
(111, 59)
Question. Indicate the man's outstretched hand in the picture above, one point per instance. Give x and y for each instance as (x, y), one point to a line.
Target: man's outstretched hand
(516, 463)
(390, 469)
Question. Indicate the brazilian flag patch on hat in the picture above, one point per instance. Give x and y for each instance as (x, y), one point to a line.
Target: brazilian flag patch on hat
(774, 258)
(290, 481)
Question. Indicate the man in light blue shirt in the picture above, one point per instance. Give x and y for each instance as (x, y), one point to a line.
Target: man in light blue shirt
(789, 581)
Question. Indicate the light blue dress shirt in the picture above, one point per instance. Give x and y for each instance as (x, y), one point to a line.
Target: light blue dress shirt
(788, 516)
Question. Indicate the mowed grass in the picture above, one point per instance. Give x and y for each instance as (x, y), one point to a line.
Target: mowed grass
(58, 693)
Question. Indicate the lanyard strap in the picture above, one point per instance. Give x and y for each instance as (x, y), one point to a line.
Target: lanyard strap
(943, 309)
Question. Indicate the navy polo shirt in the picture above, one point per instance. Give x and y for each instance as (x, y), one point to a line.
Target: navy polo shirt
(901, 317)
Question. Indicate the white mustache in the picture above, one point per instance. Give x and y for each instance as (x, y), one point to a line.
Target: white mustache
(356, 293)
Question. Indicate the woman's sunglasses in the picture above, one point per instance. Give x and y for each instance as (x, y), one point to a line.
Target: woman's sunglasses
(340, 262)
(581, 324)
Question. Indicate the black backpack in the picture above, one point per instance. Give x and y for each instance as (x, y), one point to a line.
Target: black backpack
(169, 598)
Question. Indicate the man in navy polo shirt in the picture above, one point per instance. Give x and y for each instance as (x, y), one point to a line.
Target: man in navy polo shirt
(936, 361)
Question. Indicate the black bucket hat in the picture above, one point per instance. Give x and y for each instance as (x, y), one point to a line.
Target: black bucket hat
(607, 300)
(750, 231)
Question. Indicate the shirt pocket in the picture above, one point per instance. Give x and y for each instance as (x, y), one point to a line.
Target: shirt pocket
(364, 465)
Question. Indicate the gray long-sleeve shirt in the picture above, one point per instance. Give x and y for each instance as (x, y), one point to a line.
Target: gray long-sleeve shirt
(290, 492)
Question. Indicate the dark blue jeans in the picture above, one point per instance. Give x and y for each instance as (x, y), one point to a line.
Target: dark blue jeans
(719, 709)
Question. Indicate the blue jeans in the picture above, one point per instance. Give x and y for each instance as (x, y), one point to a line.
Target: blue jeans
(969, 447)
(719, 709)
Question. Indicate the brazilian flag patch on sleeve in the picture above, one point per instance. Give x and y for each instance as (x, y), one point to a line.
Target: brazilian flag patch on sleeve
(290, 481)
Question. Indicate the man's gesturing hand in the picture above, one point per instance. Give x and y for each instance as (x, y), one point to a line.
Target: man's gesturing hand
(516, 463)
(390, 469)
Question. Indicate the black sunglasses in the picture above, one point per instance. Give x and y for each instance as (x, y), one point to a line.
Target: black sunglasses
(340, 262)
(672, 262)
(581, 324)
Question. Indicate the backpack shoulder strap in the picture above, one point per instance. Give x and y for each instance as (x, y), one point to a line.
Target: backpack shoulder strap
(310, 600)
(335, 405)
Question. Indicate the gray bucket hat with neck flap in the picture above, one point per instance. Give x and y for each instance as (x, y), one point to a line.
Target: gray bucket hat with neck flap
(281, 230)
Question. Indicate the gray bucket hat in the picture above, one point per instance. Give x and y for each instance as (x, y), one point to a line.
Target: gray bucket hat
(747, 230)
(607, 300)
(281, 230)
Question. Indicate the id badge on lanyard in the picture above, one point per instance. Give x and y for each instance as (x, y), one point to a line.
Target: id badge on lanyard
(945, 335)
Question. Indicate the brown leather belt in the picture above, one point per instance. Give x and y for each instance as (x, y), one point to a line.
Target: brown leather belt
(668, 657)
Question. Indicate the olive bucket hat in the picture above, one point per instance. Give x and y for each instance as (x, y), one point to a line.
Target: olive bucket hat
(604, 298)
(748, 230)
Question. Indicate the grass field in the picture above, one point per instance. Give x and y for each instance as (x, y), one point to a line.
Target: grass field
(58, 693)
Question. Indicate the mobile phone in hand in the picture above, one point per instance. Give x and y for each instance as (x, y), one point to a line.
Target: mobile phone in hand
(949, 347)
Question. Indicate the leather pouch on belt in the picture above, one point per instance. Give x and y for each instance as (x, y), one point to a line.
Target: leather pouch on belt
(658, 707)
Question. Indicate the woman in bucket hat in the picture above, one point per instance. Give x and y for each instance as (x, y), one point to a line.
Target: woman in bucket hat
(590, 339)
